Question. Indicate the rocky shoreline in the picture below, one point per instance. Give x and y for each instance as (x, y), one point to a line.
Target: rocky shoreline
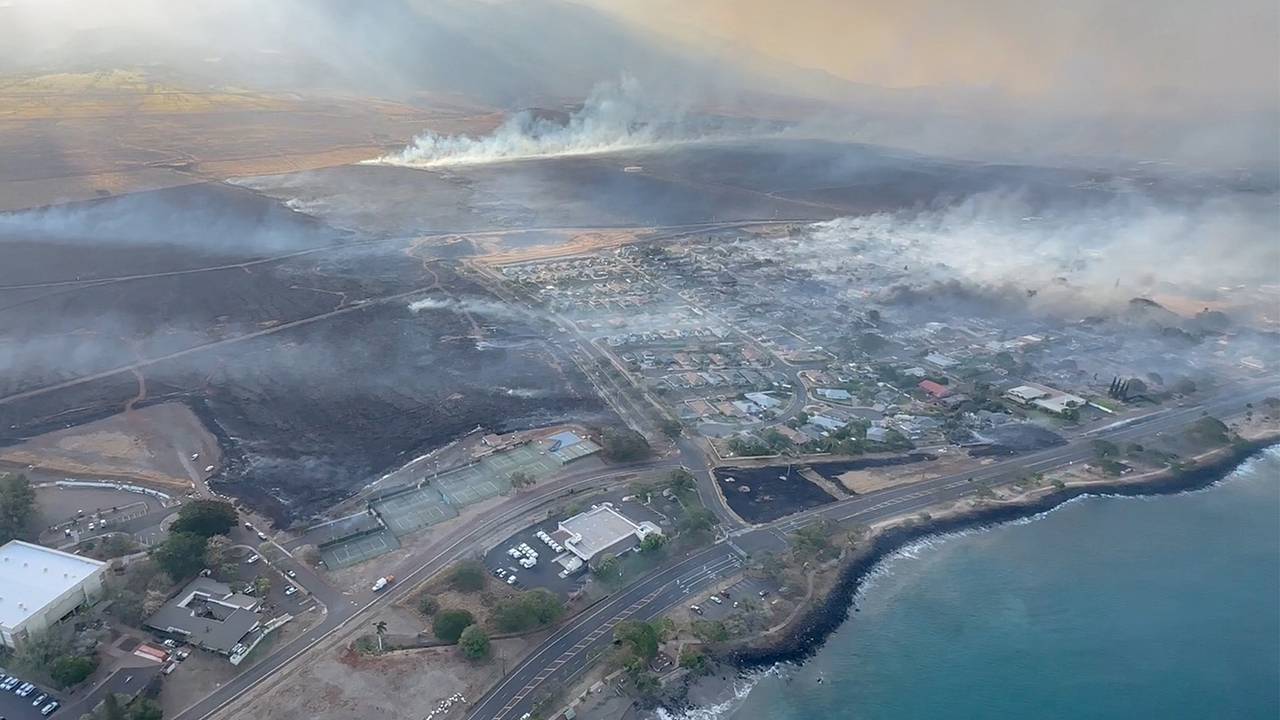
(810, 629)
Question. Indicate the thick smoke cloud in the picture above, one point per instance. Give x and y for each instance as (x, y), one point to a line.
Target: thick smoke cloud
(995, 247)
(616, 116)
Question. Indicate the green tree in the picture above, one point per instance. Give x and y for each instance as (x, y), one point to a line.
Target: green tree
(698, 520)
(380, 629)
(111, 709)
(608, 567)
(694, 661)
(71, 670)
(449, 624)
(652, 542)
(681, 480)
(622, 444)
(17, 506)
(38, 652)
(181, 555)
(474, 643)
(205, 518)
(1104, 449)
(262, 586)
(520, 479)
(468, 576)
(527, 610)
(217, 555)
(126, 606)
(670, 427)
(640, 638)
(145, 709)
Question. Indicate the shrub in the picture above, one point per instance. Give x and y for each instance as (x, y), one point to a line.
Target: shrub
(474, 643)
(468, 576)
(624, 445)
(205, 518)
(71, 670)
(527, 610)
(428, 605)
(449, 624)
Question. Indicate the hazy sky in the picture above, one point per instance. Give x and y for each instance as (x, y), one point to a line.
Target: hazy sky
(1197, 81)
(1126, 53)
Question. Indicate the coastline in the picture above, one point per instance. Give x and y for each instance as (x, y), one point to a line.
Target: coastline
(809, 628)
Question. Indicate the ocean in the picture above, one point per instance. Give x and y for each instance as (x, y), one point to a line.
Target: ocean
(1107, 607)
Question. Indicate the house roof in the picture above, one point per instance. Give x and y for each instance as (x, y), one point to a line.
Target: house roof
(32, 576)
(208, 614)
(937, 390)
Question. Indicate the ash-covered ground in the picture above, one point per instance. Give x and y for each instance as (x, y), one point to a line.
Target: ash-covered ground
(279, 306)
(312, 368)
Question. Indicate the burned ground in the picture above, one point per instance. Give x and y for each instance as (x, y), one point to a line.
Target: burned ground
(308, 412)
(764, 494)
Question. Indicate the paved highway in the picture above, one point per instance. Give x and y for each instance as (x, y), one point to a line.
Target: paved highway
(342, 607)
(574, 645)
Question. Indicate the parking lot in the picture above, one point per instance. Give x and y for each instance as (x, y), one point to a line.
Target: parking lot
(546, 574)
(746, 590)
(276, 602)
(15, 707)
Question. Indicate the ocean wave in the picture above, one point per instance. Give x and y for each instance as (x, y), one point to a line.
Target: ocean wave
(742, 687)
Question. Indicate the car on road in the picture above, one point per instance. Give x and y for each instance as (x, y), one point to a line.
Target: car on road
(48, 709)
(253, 559)
(511, 579)
(262, 537)
(291, 590)
(291, 574)
(716, 599)
(696, 609)
(40, 700)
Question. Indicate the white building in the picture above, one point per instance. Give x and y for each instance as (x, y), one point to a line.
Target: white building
(40, 587)
(600, 530)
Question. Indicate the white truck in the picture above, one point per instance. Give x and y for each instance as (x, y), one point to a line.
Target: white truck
(383, 582)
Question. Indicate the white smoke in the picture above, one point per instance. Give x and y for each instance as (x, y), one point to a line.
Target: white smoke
(615, 116)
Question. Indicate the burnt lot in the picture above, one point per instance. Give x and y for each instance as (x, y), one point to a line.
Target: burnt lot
(307, 413)
(764, 494)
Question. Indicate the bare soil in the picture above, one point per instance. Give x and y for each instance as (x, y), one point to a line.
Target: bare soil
(148, 445)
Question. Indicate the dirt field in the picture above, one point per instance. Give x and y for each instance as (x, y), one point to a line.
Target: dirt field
(77, 136)
(402, 685)
(151, 445)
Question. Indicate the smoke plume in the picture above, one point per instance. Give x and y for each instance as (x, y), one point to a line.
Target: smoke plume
(615, 116)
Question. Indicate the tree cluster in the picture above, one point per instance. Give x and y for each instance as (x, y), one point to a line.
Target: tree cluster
(17, 506)
(528, 610)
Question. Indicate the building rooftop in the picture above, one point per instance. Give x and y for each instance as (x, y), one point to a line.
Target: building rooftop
(32, 576)
(599, 529)
(208, 614)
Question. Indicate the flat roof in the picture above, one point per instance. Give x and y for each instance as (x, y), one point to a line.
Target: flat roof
(32, 576)
(598, 529)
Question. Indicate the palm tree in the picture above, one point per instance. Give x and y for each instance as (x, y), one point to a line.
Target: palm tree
(380, 628)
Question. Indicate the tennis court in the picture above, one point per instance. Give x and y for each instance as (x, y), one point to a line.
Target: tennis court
(471, 485)
(357, 550)
(413, 510)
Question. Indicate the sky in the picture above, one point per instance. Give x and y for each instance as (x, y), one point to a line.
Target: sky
(1193, 80)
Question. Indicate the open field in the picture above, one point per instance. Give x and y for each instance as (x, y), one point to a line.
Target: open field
(149, 444)
(78, 136)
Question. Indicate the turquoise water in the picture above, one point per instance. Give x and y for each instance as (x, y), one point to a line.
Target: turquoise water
(1162, 607)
